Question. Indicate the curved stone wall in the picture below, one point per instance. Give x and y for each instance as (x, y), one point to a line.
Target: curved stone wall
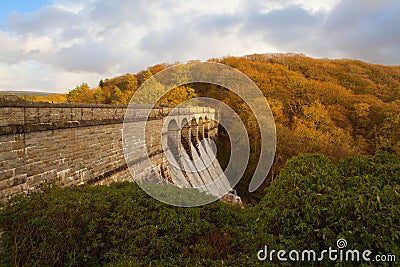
(77, 144)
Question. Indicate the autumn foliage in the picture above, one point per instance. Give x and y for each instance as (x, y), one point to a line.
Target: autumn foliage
(335, 175)
(337, 108)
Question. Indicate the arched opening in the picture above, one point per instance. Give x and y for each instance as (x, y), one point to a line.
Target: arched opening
(173, 137)
(194, 136)
(184, 122)
(194, 132)
(201, 129)
(173, 126)
(206, 126)
(185, 135)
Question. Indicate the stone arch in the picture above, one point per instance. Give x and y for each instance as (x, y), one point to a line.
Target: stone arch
(173, 137)
(184, 122)
(206, 126)
(200, 129)
(194, 132)
(173, 125)
(185, 135)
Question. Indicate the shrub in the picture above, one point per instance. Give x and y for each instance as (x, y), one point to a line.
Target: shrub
(311, 204)
(97, 225)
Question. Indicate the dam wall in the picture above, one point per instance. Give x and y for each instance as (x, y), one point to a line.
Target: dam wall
(73, 144)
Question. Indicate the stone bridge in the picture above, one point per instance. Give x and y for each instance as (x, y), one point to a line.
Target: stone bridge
(71, 144)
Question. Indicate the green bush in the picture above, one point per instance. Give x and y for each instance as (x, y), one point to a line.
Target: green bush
(311, 204)
(97, 225)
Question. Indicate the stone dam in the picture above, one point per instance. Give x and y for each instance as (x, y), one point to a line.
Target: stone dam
(75, 144)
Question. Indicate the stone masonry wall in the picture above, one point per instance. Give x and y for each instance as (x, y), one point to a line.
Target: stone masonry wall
(73, 144)
(66, 144)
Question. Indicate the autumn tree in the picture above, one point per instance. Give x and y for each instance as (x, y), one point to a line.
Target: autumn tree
(81, 94)
(178, 95)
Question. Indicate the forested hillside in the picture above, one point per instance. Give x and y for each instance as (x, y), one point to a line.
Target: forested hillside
(345, 112)
(337, 108)
(333, 107)
(37, 97)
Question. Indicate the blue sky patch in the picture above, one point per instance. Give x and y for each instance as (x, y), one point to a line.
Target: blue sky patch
(20, 6)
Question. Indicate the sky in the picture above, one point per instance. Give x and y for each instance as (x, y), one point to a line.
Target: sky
(52, 46)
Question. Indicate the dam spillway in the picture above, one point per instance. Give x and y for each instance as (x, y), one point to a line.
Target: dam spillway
(73, 144)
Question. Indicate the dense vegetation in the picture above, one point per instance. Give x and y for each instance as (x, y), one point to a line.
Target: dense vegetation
(42, 97)
(311, 204)
(333, 107)
(337, 108)
(336, 175)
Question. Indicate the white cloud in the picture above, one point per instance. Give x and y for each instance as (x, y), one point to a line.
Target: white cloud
(18, 48)
(34, 76)
(59, 46)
